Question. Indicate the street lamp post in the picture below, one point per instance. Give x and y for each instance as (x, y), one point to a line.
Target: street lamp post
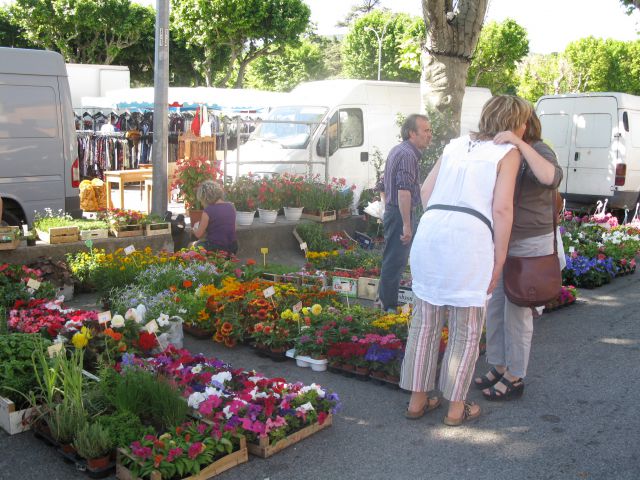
(380, 39)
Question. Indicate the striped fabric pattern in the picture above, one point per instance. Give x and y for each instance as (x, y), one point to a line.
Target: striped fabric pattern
(423, 344)
(401, 173)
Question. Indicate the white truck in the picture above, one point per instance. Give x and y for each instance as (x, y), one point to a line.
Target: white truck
(361, 115)
(90, 80)
(38, 150)
(596, 137)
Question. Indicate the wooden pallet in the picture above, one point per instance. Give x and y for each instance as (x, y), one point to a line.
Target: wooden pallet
(56, 235)
(127, 231)
(152, 229)
(320, 216)
(264, 450)
(221, 465)
(94, 233)
(14, 421)
(9, 238)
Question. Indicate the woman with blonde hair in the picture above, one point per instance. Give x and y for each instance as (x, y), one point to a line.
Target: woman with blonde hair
(457, 257)
(510, 327)
(218, 220)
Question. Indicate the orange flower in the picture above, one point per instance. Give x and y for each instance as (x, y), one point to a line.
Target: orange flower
(173, 288)
(157, 459)
(122, 347)
(229, 342)
(218, 337)
(187, 284)
(251, 261)
(226, 328)
(267, 330)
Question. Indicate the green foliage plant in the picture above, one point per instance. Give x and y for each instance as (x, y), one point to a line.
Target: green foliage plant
(65, 420)
(123, 427)
(93, 440)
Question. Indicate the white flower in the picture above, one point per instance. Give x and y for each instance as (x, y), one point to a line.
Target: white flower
(196, 369)
(221, 377)
(227, 412)
(117, 321)
(61, 339)
(313, 386)
(182, 310)
(196, 398)
(132, 315)
(213, 392)
(141, 310)
(163, 319)
(306, 407)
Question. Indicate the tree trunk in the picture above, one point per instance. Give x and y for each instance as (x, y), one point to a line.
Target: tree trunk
(452, 37)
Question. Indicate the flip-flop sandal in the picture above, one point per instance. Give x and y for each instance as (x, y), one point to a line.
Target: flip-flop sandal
(429, 406)
(467, 416)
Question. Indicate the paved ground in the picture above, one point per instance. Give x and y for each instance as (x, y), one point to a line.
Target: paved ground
(579, 417)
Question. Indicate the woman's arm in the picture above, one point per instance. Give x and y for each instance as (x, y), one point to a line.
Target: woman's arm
(202, 226)
(430, 182)
(543, 168)
(503, 211)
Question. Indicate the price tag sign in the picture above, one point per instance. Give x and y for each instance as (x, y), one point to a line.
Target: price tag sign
(297, 307)
(264, 250)
(54, 349)
(25, 229)
(303, 246)
(104, 317)
(269, 292)
(88, 243)
(152, 326)
(405, 309)
(572, 249)
(129, 250)
(32, 283)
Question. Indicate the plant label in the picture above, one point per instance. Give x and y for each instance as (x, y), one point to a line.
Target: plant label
(54, 349)
(33, 283)
(25, 229)
(303, 246)
(264, 250)
(88, 243)
(572, 249)
(406, 308)
(269, 292)
(104, 317)
(129, 250)
(152, 326)
(297, 307)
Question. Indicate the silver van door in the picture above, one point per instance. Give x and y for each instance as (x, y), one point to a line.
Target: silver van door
(555, 117)
(591, 158)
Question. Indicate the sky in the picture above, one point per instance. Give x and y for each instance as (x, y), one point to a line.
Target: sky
(551, 24)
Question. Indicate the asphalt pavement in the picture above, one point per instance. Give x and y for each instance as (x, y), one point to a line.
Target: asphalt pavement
(578, 419)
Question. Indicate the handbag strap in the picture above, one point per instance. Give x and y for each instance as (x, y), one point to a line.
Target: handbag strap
(467, 210)
(517, 198)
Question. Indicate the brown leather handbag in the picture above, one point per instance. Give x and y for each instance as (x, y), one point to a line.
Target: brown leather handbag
(533, 281)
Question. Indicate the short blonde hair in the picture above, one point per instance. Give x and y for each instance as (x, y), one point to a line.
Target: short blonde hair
(209, 192)
(503, 112)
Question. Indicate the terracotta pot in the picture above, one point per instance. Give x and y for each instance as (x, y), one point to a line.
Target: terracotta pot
(194, 216)
(98, 463)
(278, 349)
(362, 370)
(392, 378)
(377, 374)
(68, 448)
(348, 367)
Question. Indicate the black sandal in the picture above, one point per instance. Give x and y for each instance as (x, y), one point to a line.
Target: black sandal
(486, 382)
(514, 390)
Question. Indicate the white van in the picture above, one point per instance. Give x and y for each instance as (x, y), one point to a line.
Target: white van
(596, 137)
(38, 151)
(361, 116)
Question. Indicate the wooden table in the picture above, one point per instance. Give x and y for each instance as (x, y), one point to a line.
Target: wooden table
(124, 176)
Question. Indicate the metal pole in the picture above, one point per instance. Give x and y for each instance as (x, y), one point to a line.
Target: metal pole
(379, 55)
(237, 147)
(160, 108)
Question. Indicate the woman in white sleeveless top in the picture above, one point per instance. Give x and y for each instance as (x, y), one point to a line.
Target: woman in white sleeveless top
(457, 257)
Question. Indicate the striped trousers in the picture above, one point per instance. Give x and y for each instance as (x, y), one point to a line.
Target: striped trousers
(423, 344)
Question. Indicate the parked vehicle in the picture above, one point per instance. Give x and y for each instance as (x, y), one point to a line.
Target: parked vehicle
(360, 116)
(90, 80)
(38, 151)
(596, 137)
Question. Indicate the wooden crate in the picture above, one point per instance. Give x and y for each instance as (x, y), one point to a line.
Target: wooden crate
(94, 233)
(14, 421)
(57, 235)
(320, 216)
(221, 465)
(368, 288)
(264, 450)
(9, 238)
(152, 229)
(344, 213)
(127, 231)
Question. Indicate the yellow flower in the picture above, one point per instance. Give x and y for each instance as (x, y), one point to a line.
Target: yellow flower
(295, 317)
(81, 338)
(305, 311)
(316, 309)
(286, 315)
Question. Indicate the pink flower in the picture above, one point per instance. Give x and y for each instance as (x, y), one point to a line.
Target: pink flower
(195, 449)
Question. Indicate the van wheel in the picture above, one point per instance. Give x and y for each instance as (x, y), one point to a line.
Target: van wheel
(10, 218)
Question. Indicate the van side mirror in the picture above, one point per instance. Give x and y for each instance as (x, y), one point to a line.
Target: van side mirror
(364, 156)
(321, 146)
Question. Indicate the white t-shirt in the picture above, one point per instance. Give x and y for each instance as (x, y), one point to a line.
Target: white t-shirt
(452, 252)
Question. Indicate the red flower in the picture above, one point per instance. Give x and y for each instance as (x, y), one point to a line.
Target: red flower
(147, 341)
(187, 284)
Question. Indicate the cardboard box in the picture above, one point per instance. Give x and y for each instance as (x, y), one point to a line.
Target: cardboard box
(368, 288)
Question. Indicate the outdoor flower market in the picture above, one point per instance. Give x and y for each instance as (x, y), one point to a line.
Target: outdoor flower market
(117, 383)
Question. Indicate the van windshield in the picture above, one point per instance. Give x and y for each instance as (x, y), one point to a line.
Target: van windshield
(290, 135)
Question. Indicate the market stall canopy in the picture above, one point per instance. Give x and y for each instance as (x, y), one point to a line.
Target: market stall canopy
(226, 100)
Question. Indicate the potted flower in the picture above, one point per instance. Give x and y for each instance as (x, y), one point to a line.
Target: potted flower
(93, 443)
(318, 200)
(269, 199)
(293, 187)
(123, 223)
(189, 174)
(243, 193)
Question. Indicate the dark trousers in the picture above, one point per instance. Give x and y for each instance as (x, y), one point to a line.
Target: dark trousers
(394, 257)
